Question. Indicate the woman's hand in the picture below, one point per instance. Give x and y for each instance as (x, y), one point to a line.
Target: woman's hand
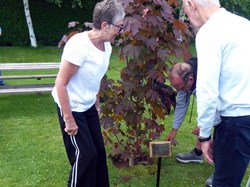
(70, 127)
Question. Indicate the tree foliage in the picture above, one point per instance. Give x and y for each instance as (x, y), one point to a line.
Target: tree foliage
(240, 7)
(153, 39)
(59, 2)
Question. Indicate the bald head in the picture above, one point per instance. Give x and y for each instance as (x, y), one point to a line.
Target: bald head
(199, 11)
(181, 76)
(204, 2)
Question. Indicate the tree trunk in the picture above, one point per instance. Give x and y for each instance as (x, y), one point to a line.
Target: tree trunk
(131, 162)
(29, 23)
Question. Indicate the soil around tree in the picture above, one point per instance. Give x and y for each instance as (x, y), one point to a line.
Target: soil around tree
(119, 162)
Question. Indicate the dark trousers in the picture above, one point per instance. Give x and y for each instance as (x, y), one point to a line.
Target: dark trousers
(231, 151)
(86, 151)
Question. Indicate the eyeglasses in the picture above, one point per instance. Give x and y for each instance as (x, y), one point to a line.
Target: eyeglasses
(118, 26)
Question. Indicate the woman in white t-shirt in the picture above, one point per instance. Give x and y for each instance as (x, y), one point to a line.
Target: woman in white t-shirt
(84, 62)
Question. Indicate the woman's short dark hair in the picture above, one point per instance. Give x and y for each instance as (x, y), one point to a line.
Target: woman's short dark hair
(108, 11)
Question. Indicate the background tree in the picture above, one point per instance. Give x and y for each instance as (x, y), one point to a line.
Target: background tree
(153, 38)
(29, 23)
(240, 7)
(50, 27)
(74, 2)
(29, 19)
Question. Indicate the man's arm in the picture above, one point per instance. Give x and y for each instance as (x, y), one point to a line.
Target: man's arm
(181, 108)
(210, 56)
(207, 82)
(182, 103)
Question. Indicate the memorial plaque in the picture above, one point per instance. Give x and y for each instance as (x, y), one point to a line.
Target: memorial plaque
(160, 149)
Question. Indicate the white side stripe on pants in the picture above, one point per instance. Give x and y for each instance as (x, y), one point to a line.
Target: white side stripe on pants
(75, 166)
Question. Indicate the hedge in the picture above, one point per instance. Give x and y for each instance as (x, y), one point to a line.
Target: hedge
(49, 21)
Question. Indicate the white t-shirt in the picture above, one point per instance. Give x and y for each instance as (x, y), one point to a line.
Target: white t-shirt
(93, 64)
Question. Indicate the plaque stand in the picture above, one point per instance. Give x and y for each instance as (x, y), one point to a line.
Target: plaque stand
(158, 172)
(159, 149)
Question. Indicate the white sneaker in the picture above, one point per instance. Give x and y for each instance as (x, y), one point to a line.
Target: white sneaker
(209, 181)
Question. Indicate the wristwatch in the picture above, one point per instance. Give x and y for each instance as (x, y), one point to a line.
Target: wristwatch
(202, 139)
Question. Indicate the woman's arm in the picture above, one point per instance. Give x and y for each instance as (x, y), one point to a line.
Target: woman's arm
(67, 70)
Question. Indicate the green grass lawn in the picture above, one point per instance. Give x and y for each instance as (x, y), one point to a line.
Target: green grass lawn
(32, 152)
